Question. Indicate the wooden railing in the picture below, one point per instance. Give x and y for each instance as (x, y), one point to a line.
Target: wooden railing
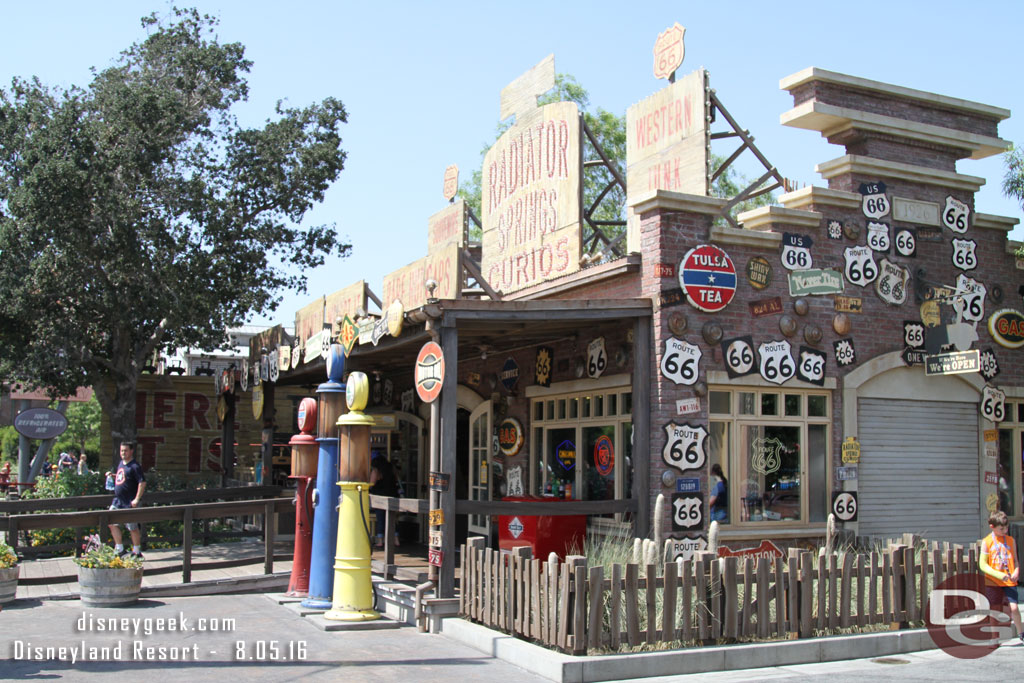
(186, 514)
(392, 507)
(576, 609)
(101, 502)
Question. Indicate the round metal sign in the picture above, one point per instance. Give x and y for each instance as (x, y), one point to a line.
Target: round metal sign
(40, 423)
(429, 372)
(708, 278)
(510, 436)
(1007, 327)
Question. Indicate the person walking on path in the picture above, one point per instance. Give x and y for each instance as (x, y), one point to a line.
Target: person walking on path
(129, 485)
(998, 562)
(83, 466)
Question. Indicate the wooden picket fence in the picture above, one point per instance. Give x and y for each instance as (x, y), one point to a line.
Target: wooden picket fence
(575, 609)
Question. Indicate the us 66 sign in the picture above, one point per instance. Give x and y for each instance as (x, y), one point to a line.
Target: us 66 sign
(684, 446)
(993, 404)
(844, 506)
(687, 511)
(681, 361)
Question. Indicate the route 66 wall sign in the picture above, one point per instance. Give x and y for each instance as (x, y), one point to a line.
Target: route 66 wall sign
(597, 358)
(738, 355)
(993, 404)
(878, 236)
(891, 284)
(776, 361)
(681, 361)
(684, 446)
(970, 306)
(956, 215)
(906, 242)
(844, 505)
(913, 334)
(811, 366)
(988, 363)
(874, 203)
(687, 511)
(844, 351)
(860, 267)
(964, 256)
(796, 251)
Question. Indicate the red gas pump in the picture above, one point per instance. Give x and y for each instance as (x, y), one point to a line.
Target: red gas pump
(305, 451)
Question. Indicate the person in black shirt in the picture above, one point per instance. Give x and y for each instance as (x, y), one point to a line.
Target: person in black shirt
(129, 486)
(383, 482)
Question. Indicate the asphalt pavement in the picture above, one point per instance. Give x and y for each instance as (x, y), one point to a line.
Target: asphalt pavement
(189, 639)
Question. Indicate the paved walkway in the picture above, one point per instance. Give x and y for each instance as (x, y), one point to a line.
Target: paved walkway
(291, 646)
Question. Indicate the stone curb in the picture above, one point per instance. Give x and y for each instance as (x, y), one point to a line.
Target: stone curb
(568, 669)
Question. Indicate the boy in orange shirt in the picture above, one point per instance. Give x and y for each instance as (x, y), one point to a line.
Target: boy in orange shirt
(999, 563)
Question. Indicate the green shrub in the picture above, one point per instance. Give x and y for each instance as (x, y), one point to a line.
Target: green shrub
(104, 557)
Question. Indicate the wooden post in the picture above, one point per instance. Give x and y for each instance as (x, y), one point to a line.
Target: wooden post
(833, 597)
(780, 597)
(845, 591)
(632, 600)
(449, 435)
(186, 546)
(650, 591)
(731, 585)
(270, 521)
(668, 603)
(793, 620)
(614, 618)
(762, 596)
(687, 589)
(595, 592)
(643, 370)
(806, 593)
(578, 566)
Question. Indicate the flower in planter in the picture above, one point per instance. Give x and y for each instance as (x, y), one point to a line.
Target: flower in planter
(8, 558)
(105, 557)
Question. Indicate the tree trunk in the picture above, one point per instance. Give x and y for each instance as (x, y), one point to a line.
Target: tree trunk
(120, 409)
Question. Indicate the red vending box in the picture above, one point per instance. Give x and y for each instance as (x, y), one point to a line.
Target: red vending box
(561, 534)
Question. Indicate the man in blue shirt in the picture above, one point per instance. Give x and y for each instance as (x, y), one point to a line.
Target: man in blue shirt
(129, 485)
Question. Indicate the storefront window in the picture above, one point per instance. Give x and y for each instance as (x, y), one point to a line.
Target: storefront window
(1008, 461)
(774, 453)
(586, 454)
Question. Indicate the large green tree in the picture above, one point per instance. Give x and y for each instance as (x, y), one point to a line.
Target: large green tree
(1013, 181)
(137, 213)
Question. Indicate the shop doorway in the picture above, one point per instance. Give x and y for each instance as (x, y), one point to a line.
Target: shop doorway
(480, 465)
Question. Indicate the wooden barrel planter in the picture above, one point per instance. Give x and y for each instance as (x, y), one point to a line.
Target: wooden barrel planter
(8, 584)
(109, 586)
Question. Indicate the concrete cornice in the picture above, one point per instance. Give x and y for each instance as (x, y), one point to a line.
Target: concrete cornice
(763, 218)
(666, 200)
(820, 196)
(760, 239)
(879, 168)
(831, 120)
(992, 222)
(813, 73)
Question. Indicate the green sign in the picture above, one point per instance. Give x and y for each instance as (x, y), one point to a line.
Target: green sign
(815, 281)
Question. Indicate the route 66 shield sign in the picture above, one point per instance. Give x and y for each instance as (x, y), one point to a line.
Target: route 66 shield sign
(964, 257)
(684, 446)
(738, 355)
(878, 236)
(776, 361)
(811, 367)
(913, 334)
(956, 215)
(970, 306)
(668, 51)
(993, 404)
(681, 361)
(796, 251)
(860, 266)
(597, 358)
(874, 203)
(273, 372)
(891, 284)
(687, 511)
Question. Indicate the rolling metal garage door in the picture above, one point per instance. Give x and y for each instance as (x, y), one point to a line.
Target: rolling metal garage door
(919, 469)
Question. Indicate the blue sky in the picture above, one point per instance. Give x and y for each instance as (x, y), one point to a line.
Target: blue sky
(421, 81)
